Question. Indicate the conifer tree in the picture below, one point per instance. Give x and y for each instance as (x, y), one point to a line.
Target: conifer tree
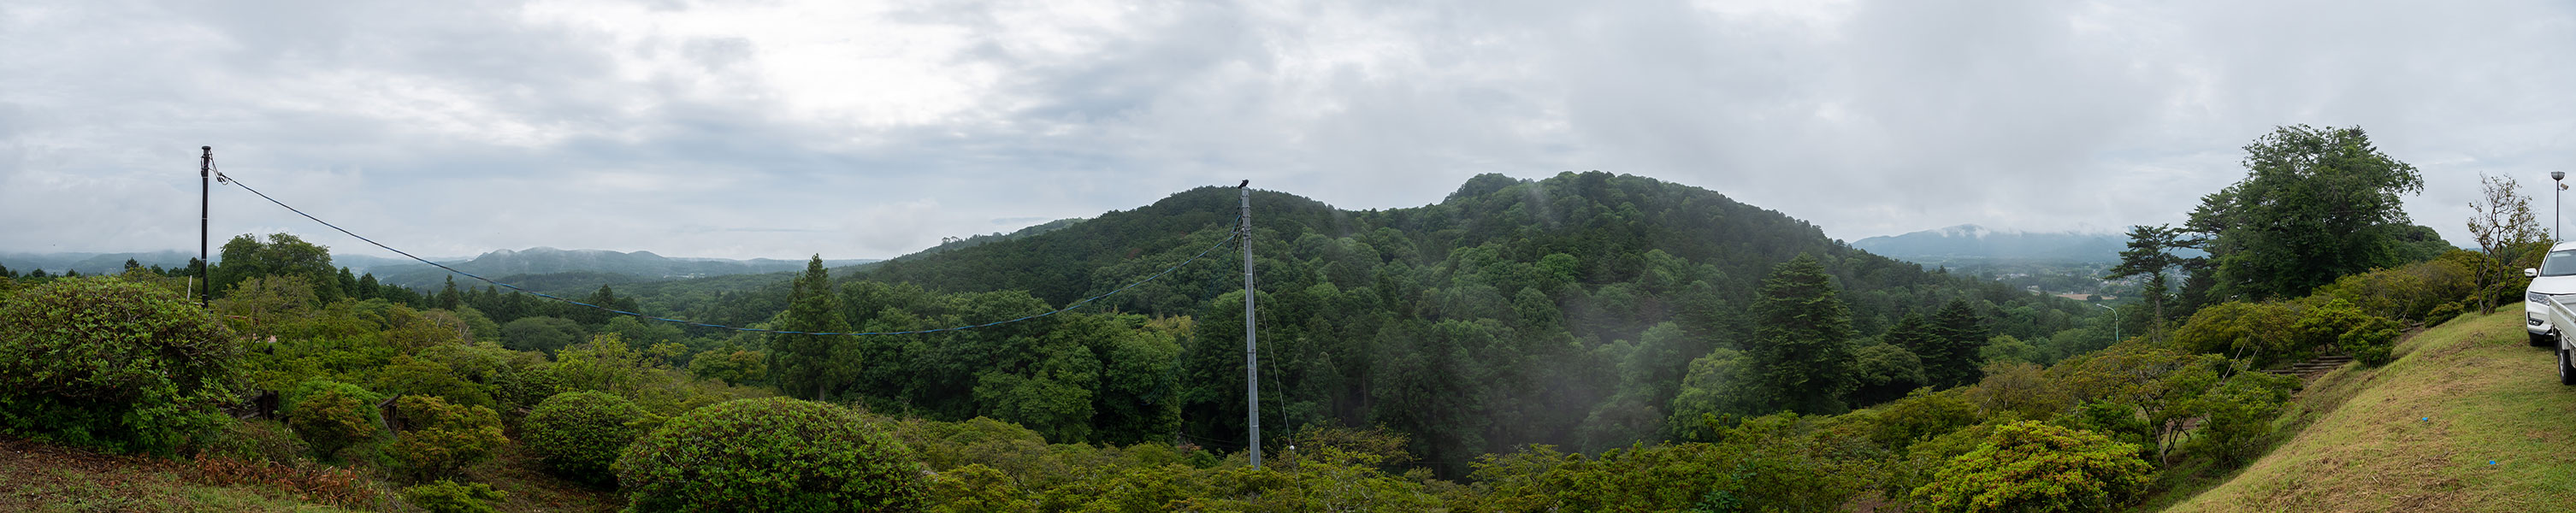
(804, 362)
(1802, 339)
(1957, 333)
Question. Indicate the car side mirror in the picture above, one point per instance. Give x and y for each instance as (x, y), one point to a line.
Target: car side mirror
(2530, 272)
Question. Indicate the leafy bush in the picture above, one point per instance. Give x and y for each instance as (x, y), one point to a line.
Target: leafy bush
(256, 440)
(331, 415)
(120, 366)
(449, 497)
(773, 454)
(2443, 313)
(579, 434)
(444, 437)
(2030, 466)
(2259, 331)
(2240, 415)
(2366, 337)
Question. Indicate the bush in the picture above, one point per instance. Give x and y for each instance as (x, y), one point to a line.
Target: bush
(449, 497)
(257, 440)
(443, 438)
(2366, 337)
(2240, 415)
(2443, 313)
(331, 415)
(579, 434)
(106, 363)
(2030, 466)
(773, 454)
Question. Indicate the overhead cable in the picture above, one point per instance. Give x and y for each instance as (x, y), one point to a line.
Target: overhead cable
(219, 176)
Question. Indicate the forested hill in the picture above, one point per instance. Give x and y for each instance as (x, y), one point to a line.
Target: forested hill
(1563, 311)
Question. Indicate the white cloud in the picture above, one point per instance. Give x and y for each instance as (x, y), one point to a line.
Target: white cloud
(740, 129)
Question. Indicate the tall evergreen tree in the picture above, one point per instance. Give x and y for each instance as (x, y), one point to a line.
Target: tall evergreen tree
(2151, 254)
(449, 298)
(1802, 338)
(804, 362)
(1958, 332)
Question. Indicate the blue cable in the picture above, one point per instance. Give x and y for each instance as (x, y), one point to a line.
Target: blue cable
(219, 176)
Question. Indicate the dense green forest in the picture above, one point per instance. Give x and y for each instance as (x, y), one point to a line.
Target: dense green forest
(1588, 342)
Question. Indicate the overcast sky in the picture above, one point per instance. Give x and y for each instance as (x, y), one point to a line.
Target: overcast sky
(869, 130)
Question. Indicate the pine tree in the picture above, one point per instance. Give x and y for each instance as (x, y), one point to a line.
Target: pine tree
(448, 297)
(801, 362)
(1958, 332)
(1802, 339)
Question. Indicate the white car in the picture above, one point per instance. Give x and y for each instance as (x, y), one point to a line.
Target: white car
(2555, 280)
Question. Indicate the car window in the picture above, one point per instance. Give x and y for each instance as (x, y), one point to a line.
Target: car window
(2559, 263)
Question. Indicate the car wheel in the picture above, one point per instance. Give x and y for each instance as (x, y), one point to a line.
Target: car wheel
(2541, 339)
(2566, 373)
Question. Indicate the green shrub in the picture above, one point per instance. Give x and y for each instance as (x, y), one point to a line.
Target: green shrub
(773, 454)
(443, 438)
(106, 363)
(2365, 337)
(449, 497)
(2030, 466)
(255, 440)
(331, 415)
(2443, 313)
(2372, 341)
(2240, 415)
(579, 434)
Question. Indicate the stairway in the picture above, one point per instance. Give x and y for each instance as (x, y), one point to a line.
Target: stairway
(2309, 370)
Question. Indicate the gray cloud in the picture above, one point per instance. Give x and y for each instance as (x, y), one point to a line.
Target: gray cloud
(870, 130)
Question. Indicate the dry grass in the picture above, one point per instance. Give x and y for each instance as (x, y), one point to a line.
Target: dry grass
(2420, 433)
(39, 477)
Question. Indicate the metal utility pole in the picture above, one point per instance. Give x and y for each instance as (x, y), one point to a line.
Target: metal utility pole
(1251, 358)
(205, 209)
(2558, 181)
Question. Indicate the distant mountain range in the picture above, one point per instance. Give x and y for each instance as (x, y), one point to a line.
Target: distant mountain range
(639, 265)
(596, 265)
(1972, 243)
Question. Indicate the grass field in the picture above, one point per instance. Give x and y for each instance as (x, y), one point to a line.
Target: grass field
(2469, 418)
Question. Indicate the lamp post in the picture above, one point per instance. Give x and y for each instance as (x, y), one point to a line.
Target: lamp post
(2115, 322)
(2559, 178)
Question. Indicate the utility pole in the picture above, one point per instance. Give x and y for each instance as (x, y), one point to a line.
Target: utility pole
(1251, 358)
(205, 209)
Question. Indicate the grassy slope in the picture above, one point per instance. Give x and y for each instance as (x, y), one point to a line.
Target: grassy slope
(45, 478)
(2366, 445)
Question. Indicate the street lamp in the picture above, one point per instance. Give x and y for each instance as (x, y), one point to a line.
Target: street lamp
(2115, 322)
(2559, 177)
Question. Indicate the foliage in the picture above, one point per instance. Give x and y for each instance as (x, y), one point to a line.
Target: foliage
(1780, 462)
(774, 454)
(2368, 338)
(2260, 332)
(579, 434)
(2240, 414)
(2030, 466)
(446, 496)
(253, 440)
(2315, 204)
(2152, 252)
(331, 415)
(1951, 357)
(545, 334)
(443, 438)
(802, 362)
(106, 363)
(1801, 343)
(284, 254)
(2503, 224)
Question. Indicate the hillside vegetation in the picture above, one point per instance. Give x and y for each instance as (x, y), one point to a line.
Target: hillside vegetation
(2468, 419)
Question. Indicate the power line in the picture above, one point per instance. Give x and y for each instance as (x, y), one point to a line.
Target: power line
(219, 176)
